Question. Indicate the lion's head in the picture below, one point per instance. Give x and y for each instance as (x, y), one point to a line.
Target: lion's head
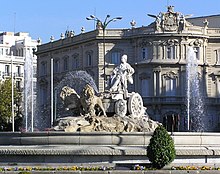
(66, 91)
(88, 92)
(69, 97)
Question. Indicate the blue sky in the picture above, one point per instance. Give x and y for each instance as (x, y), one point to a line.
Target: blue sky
(44, 18)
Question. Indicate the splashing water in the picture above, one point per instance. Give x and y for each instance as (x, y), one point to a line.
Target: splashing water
(195, 104)
(29, 98)
(76, 80)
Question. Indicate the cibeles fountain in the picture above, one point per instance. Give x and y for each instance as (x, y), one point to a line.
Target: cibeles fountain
(102, 128)
(114, 110)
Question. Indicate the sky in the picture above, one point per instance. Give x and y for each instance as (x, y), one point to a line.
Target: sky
(44, 18)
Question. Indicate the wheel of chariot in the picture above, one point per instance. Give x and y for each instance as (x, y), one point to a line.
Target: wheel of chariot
(135, 105)
(121, 107)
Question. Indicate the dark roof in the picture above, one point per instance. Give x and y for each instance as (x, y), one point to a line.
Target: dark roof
(214, 21)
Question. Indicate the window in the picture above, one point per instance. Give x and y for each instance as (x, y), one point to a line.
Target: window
(217, 54)
(116, 58)
(43, 95)
(43, 70)
(66, 63)
(170, 52)
(21, 52)
(56, 66)
(218, 87)
(170, 86)
(18, 71)
(18, 85)
(7, 51)
(145, 87)
(144, 53)
(7, 70)
(1, 51)
(75, 61)
(89, 59)
(197, 52)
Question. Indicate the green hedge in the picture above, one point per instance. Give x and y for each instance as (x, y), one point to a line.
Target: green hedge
(161, 150)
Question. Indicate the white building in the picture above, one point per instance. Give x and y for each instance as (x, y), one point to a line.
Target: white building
(159, 54)
(15, 50)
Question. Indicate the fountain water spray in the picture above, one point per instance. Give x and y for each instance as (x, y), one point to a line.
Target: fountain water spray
(76, 80)
(28, 93)
(195, 104)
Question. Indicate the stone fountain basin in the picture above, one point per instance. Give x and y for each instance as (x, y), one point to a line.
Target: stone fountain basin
(102, 147)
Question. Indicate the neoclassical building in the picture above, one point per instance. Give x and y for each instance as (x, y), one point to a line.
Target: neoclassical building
(157, 52)
(18, 63)
(14, 49)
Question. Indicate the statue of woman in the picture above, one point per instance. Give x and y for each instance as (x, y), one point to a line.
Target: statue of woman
(121, 75)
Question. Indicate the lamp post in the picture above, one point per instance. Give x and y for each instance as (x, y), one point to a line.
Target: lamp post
(52, 92)
(12, 95)
(103, 26)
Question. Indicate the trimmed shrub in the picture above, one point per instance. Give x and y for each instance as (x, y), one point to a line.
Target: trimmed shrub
(161, 150)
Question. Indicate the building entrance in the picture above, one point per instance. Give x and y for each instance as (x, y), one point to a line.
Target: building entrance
(171, 121)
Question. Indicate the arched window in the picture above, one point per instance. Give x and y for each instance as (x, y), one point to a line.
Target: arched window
(57, 66)
(65, 63)
(43, 68)
(89, 59)
(75, 63)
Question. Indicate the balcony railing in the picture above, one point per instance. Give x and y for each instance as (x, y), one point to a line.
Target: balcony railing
(164, 99)
(178, 100)
(15, 75)
(18, 74)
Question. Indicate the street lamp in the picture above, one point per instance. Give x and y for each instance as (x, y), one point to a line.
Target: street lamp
(12, 95)
(103, 26)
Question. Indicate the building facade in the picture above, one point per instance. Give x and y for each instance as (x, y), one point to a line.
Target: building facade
(15, 50)
(157, 52)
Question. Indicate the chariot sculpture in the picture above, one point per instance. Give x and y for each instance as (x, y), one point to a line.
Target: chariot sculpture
(115, 101)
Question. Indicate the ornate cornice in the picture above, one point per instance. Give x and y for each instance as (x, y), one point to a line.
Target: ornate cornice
(170, 75)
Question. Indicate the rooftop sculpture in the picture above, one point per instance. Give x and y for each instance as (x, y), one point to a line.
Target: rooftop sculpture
(170, 21)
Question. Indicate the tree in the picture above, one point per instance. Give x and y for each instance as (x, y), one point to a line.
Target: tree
(161, 150)
(5, 103)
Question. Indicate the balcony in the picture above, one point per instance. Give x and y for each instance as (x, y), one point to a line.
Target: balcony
(8, 74)
(164, 100)
(177, 100)
(18, 75)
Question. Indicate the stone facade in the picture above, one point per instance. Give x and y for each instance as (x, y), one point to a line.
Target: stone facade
(15, 49)
(157, 52)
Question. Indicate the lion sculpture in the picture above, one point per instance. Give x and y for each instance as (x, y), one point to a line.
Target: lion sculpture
(88, 101)
(70, 98)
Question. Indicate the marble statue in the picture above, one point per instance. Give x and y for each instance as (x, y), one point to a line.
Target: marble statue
(85, 103)
(120, 76)
(89, 100)
(116, 110)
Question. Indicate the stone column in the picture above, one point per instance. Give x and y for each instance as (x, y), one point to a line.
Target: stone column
(155, 83)
(159, 82)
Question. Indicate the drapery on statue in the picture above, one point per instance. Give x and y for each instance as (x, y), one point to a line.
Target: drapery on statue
(120, 76)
